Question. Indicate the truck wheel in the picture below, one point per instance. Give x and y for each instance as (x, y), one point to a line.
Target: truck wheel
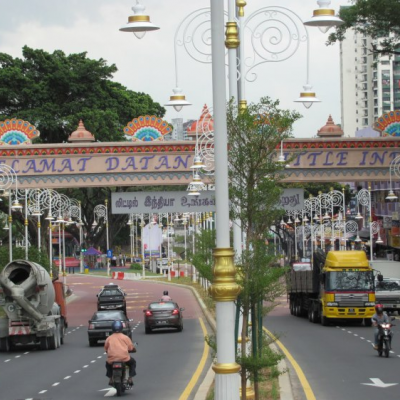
(367, 322)
(5, 344)
(291, 308)
(62, 331)
(324, 321)
(309, 314)
(44, 345)
(52, 341)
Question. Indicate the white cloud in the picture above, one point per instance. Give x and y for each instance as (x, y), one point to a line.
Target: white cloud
(148, 65)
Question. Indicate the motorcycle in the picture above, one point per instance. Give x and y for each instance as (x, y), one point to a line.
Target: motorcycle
(385, 338)
(120, 373)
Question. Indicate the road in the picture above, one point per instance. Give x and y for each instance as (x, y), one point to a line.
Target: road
(338, 361)
(166, 361)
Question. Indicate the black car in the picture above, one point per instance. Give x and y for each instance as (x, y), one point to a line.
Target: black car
(111, 297)
(100, 325)
(163, 314)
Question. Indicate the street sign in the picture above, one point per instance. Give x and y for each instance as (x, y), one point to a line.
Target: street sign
(109, 253)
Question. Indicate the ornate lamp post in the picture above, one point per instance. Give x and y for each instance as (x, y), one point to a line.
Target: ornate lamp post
(101, 211)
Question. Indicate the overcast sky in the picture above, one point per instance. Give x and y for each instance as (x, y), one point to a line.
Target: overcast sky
(148, 65)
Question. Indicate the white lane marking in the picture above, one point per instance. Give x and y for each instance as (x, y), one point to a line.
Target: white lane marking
(42, 391)
(77, 371)
(67, 377)
(27, 352)
(55, 384)
(355, 334)
(7, 360)
(85, 366)
(18, 356)
(93, 361)
(361, 338)
(100, 357)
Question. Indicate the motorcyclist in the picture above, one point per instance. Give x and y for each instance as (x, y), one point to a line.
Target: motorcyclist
(165, 296)
(378, 318)
(117, 347)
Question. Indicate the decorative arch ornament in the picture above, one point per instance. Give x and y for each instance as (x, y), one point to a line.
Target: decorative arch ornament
(389, 124)
(147, 128)
(17, 131)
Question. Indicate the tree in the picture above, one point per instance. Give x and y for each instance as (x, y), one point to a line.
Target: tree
(376, 19)
(54, 91)
(254, 176)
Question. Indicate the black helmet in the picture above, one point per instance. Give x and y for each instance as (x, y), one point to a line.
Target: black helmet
(165, 293)
(117, 326)
(379, 308)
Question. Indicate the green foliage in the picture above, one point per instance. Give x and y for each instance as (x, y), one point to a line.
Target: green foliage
(203, 258)
(34, 255)
(267, 359)
(54, 91)
(376, 19)
(254, 171)
(136, 267)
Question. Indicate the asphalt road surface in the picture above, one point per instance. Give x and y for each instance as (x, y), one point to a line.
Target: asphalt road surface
(166, 360)
(338, 361)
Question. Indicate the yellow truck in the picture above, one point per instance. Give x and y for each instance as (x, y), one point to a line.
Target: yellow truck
(336, 285)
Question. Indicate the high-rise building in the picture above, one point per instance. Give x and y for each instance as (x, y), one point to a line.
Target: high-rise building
(370, 87)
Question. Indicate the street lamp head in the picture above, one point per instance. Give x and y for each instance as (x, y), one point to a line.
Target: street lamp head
(60, 219)
(379, 240)
(36, 212)
(16, 205)
(358, 216)
(94, 224)
(324, 18)
(138, 23)
(49, 217)
(307, 97)
(177, 100)
(391, 196)
(197, 162)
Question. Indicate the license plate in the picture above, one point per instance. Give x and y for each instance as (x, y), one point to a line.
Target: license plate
(161, 322)
(351, 310)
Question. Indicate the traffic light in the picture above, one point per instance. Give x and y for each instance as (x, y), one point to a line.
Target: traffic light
(83, 248)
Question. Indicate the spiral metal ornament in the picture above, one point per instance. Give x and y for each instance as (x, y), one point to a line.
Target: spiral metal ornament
(276, 33)
(34, 200)
(101, 212)
(351, 227)
(376, 227)
(194, 35)
(205, 134)
(363, 197)
(62, 204)
(75, 208)
(337, 199)
(48, 198)
(326, 200)
(8, 177)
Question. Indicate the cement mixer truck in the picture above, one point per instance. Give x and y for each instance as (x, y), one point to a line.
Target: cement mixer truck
(32, 307)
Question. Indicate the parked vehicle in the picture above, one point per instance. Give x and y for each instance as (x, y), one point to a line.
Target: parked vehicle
(163, 314)
(100, 325)
(337, 285)
(385, 339)
(32, 307)
(111, 297)
(120, 373)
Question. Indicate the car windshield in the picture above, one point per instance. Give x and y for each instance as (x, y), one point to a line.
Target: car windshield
(387, 285)
(162, 306)
(350, 280)
(111, 292)
(108, 315)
